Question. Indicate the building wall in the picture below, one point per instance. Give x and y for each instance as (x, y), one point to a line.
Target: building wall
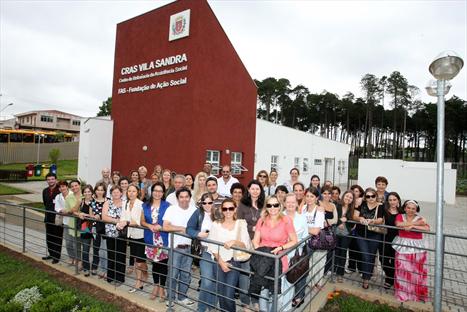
(288, 144)
(58, 122)
(175, 126)
(95, 148)
(412, 180)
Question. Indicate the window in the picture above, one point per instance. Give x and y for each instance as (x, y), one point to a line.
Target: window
(296, 163)
(274, 162)
(236, 162)
(305, 165)
(76, 122)
(47, 118)
(318, 162)
(213, 157)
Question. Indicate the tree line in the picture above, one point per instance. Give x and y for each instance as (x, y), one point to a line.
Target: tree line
(387, 121)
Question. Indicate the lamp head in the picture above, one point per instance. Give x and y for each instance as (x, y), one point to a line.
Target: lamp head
(432, 87)
(446, 65)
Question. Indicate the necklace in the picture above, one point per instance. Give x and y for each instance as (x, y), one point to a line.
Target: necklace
(254, 217)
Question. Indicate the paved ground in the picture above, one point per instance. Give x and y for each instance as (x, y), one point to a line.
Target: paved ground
(455, 220)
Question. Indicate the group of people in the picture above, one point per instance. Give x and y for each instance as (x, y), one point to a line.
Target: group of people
(225, 219)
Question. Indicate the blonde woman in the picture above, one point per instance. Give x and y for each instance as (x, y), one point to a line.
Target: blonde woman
(199, 187)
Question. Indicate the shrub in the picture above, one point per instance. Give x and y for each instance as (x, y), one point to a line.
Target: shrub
(58, 302)
(11, 307)
(54, 155)
(27, 297)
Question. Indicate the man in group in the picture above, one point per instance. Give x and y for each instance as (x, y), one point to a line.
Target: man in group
(106, 179)
(211, 186)
(53, 233)
(225, 181)
(175, 220)
(179, 182)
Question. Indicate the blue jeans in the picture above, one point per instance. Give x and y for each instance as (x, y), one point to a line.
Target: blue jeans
(226, 282)
(86, 245)
(207, 294)
(181, 271)
(368, 247)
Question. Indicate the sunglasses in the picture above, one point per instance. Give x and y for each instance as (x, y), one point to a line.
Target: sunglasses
(370, 196)
(224, 209)
(273, 205)
(206, 203)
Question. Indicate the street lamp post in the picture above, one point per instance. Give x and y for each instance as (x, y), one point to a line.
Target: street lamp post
(1, 110)
(444, 68)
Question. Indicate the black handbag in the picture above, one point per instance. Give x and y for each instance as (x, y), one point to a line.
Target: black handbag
(300, 265)
(196, 247)
(325, 240)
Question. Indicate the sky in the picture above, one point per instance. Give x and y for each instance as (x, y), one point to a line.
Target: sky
(59, 54)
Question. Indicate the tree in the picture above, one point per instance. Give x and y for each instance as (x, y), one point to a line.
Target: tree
(106, 108)
(370, 87)
(398, 89)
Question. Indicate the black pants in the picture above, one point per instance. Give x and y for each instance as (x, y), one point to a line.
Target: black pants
(355, 257)
(343, 243)
(159, 272)
(96, 245)
(387, 258)
(116, 256)
(54, 237)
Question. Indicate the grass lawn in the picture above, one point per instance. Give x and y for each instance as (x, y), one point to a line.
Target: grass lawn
(343, 302)
(66, 169)
(38, 205)
(17, 275)
(8, 190)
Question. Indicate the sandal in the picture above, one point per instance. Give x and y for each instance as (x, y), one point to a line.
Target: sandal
(365, 285)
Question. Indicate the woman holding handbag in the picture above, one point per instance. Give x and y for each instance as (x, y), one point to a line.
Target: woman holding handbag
(199, 226)
(301, 229)
(314, 215)
(371, 212)
(330, 215)
(232, 233)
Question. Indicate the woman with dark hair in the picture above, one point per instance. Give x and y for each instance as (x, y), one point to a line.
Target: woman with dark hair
(386, 252)
(85, 226)
(280, 193)
(345, 211)
(132, 215)
(134, 177)
(189, 181)
(198, 226)
(72, 205)
(263, 177)
(314, 182)
(411, 274)
(115, 178)
(294, 175)
(124, 182)
(299, 191)
(355, 258)
(155, 240)
(369, 213)
(98, 231)
(331, 218)
(250, 211)
(237, 190)
(272, 185)
(116, 248)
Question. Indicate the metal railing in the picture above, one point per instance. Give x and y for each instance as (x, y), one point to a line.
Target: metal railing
(23, 227)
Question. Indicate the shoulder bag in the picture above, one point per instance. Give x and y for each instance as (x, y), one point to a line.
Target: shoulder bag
(325, 240)
(299, 265)
(196, 247)
(378, 229)
(239, 255)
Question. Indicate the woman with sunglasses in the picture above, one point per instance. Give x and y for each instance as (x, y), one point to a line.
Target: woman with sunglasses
(274, 230)
(263, 178)
(411, 273)
(371, 212)
(199, 226)
(231, 233)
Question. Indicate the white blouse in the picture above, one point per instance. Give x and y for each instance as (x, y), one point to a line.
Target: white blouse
(134, 215)
(221, 234)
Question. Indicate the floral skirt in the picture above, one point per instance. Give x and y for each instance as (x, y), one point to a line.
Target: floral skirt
(411, 277)
(156, 252)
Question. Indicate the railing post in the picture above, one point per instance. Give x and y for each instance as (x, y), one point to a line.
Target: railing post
(24, 229)
(382, 263)
(276, 285)
(169, 272)
(333, 263)
(76, 246)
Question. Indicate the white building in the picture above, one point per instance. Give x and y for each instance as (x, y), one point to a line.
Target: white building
(284, 148)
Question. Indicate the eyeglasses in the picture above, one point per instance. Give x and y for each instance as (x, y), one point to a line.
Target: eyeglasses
(370, 196)
(262, 176)
(273, 205)
(206, 203)
(224, 209)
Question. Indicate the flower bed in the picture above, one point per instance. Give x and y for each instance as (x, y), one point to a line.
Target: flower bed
(343, 302)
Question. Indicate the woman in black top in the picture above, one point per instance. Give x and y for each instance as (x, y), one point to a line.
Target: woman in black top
(345, 211)
(85, 226)
(98, 230)
(369, 213)
(386, 252)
